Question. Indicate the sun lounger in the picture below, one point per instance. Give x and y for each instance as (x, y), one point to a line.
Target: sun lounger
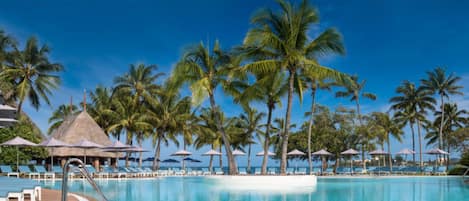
(24, 169)
(271, 171)
(257, 171)
(57, 170)
(242, 171)
(17, 188)
(440, 170)
(428, 170)
(45, 174)
(205, 171)
(329, 171)
(6, 169)
(219, 171)
(150, 172)
(344, 170)
(290, 171)
(301, 171)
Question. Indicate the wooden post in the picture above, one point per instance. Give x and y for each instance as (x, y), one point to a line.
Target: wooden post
(96, 164)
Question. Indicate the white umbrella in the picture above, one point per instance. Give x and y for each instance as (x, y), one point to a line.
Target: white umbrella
(18, 142)
(296, 152)
(322, 153)
(52, 143)
(183, 153)
(211, 153)
(351, 153)
(5, 122)
(379, 152)
(86, 144)
(116, 147)
(406, 151)
(262, 153)
(238, 152)
(436, 152)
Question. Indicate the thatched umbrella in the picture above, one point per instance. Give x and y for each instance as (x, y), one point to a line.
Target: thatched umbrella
(183, 153)
(86, 144)
(322, 153)
(295, 152)
(53, 143)
(351, 153)
(436, 152)
(18, 142)
(379, 153)
(116, 147)
(134, 150)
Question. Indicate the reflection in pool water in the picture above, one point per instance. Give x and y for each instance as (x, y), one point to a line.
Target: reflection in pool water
(327, 189)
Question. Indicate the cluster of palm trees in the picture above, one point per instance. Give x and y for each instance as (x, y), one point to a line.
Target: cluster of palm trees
(277, 59)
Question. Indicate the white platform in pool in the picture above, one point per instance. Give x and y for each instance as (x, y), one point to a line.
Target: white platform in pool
(283, 183)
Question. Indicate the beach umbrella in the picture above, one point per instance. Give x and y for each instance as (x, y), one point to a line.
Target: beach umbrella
(170, 161)
(296, 152)
(351, 153)
(436, 152)
(6, 122)
(379, 152)
(238, 152)
(191, 160)
(116, 147)
(183, 153)
(150, 159)
(322, 153)
(134, 150)
(18, 142)
(212, 152)
(86, 144)
(53, 143)
(7, 112)
(262, 153)
(406, 152)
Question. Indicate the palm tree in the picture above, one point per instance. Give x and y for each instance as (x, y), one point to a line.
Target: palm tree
(437, 82)
(386, 126)
(6, 42)
(205, 71)
(208, 134)
(140, 82)
(249, 122)
(406, 116)
(280, 41)
(129, 118)
(33, 75)
(101, 101)
(414, 101)
(354, 90)
(59, 116)
(268, 89)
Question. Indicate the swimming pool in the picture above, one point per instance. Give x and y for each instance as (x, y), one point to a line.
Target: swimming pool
(327, 189)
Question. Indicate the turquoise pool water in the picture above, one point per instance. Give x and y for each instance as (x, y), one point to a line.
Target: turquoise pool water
(327, 189)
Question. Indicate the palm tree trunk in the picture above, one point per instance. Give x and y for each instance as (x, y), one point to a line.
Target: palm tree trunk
(390, 155)
(210, 163)
(156, 163)
(139, 139)
(220, 158)
(20, 107)
(283, 162)
(420, 143)
(233, 169)
(267, 140)
(440, 132)
(310, 126)
(249, 159)
(413, 141)
(128, 142)
(361, 137)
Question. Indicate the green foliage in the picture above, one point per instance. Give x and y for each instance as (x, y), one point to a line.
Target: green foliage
(25, 130)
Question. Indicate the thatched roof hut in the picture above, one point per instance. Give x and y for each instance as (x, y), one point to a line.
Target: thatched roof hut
(81, 127)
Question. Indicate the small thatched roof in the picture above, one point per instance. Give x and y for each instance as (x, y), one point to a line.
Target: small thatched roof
(81, 127)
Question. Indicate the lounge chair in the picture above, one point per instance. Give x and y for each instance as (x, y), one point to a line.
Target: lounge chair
(58, 170)
(9, 172)
(162, 172)
(257, 171)
(301, 171)
(242, 171)
(178, 172)
(328, 171)
(344, 170)
(114, 172)
(24, 169)
(440, 170)
(205, 171)
(316, 171)
(45, 174)
(219, 171)
(428, 170)
(271, 171)
(17, 188)
(290, 171)
(150, 172)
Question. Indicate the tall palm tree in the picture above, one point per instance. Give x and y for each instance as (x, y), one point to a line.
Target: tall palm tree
(407, 116)
(33, 75)
(129, 118)
(249, 122)
(140, 81)
(59, 116)
(437, 82)
(280, 41)
(208, 134)
(354, 90)
(101, 101)
(6, 42)
(387, 126)
(205, 71)
(414, 101)
(269, 88)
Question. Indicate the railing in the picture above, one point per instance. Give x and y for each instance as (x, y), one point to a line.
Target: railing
(81, 167)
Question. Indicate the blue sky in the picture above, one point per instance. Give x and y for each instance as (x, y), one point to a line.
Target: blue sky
(386, 42)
